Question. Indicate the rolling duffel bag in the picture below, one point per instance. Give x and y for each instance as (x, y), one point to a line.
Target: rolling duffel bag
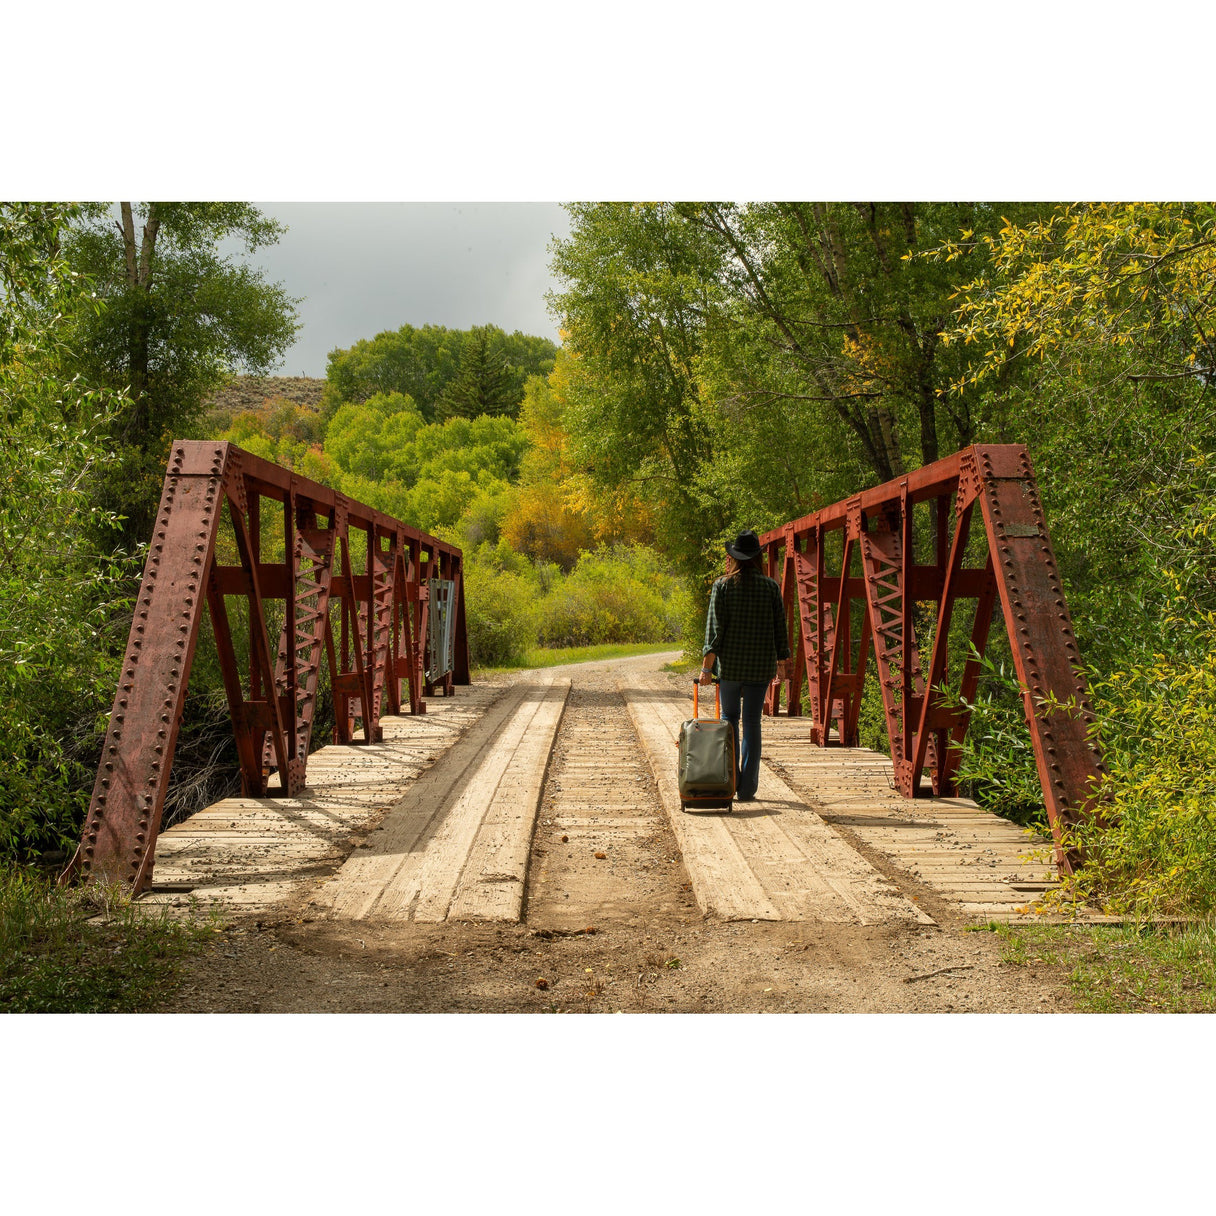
(707, 758)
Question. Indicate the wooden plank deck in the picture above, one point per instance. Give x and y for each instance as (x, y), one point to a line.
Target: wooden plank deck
(436, 823)
(251, 853)
(982, 865)
(772, 859)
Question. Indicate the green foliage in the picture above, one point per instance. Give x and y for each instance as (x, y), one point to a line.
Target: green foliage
(423, 364)
(180, 316)
(365, 440)
(500, 606)
(57, 594)
(621, 595)
(1090, 334)
(85, 950)
(613, 595)
(871, 717)
(1153, 852)
(286, 436)
(383, 453)
(997, 765)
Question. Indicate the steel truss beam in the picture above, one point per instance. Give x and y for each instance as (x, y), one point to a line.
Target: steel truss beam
(351, 581)
(877, 582)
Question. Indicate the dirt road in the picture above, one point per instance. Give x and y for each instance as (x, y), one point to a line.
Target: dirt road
(609, 924)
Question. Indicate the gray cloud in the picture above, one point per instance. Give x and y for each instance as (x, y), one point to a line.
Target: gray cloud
(367, 267)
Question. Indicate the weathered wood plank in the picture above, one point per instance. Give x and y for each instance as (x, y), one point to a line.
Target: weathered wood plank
(969, 857)
(392, 858)
(759, 863)
(491, 885)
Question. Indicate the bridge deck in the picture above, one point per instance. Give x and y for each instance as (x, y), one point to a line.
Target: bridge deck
(437, 822)
(251, 853)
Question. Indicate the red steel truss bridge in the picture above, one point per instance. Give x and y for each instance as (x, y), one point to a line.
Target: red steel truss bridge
(887, 573)
(303, 571)
(895, 580)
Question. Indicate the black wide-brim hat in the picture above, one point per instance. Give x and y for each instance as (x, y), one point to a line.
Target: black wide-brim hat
(746, 546)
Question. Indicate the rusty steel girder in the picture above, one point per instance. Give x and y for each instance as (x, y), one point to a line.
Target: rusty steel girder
(873, 565)
(352, 581)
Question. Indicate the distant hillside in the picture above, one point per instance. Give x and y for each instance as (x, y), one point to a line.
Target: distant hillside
(256, 393)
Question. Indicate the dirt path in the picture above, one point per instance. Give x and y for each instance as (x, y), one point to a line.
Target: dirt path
(609, 924)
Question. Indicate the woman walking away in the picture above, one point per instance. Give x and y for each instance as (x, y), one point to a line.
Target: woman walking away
(745, 635)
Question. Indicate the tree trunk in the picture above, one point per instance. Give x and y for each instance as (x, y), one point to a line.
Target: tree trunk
(139, 283)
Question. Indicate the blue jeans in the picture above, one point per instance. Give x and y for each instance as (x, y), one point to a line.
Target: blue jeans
(749, 698)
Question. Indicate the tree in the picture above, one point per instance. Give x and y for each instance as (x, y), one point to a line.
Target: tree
(56, 592)
(835, 315)
(180, 316)
(637, 284)
(484, 384)
(750, 361)
(1089, 337)
(423, 362)
(382, 453)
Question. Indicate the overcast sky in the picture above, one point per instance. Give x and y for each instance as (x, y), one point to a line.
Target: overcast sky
(362, 268)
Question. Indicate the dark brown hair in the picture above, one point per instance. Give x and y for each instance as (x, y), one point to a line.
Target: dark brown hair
(736, 569)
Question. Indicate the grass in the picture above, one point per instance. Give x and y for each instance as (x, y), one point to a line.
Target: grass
(86, 949)
(1132, 968)
(543, 656)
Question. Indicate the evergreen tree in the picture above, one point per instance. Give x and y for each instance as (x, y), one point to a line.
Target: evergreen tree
(484, 384)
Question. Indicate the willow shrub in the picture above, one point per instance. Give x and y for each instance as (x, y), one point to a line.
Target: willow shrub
(623, 594)
(613, 595)
(501, 591)
(1153, 852)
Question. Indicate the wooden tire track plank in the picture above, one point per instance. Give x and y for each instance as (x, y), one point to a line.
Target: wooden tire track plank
(447, 855)
(358, 886)
(723, 884)
(413, 868)
(851, 891)
(750, 866)
(491, 886)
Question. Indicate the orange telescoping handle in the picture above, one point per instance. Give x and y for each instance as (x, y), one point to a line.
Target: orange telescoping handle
(696, 699)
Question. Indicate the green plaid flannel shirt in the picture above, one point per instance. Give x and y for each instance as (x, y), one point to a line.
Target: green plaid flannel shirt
(746, 628)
